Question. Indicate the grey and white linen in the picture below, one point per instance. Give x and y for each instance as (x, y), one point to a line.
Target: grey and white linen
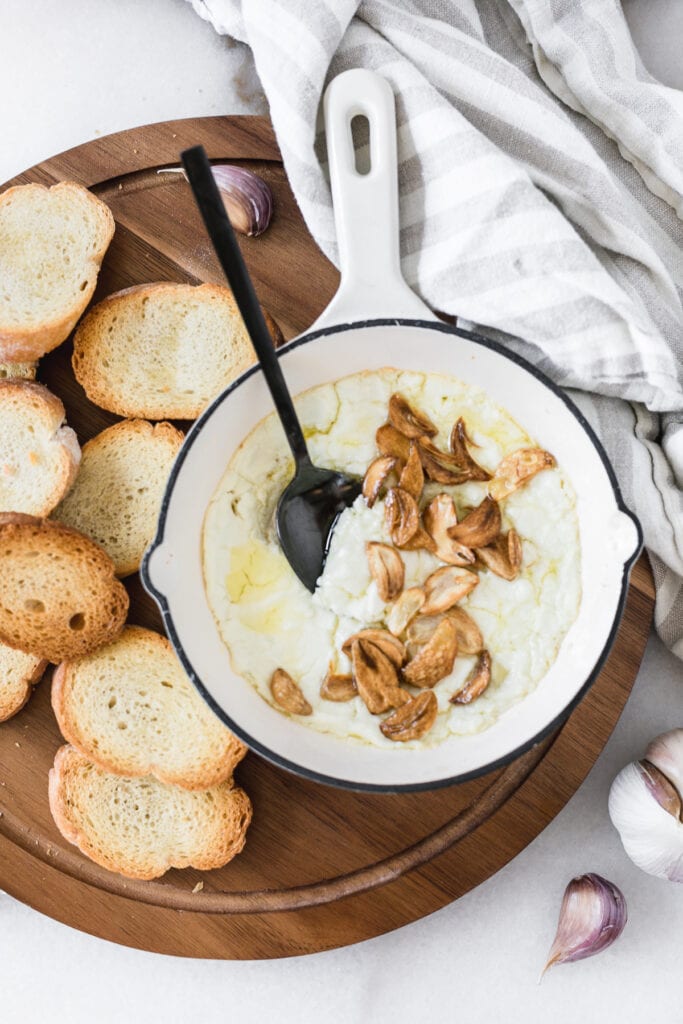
(541, 179)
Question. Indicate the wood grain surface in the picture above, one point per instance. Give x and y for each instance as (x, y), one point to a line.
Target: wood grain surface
(322, 868)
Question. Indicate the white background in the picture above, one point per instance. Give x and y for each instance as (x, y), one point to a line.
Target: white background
(74, 69)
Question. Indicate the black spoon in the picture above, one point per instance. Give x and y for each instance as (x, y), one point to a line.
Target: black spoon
(310, 504)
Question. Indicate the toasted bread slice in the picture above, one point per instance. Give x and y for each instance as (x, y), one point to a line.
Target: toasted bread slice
(18, 371)
(39, 456)
(120, 486)
(131, 709)
(19, 673)
(162, 351)
(142, 827)
(59, 597)
(52, 242)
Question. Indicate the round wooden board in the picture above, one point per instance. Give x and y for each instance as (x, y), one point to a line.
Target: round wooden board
(322, 868)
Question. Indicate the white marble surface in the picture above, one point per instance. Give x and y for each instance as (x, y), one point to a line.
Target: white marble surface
(74, 69)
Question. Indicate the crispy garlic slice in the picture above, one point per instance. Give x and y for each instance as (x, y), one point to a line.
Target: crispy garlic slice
(409, 421)
(420, 540)
(470, 640)
(376, 475)
(440, 518)
(288, 694)
(443, 467)
(504, 556)
(391, 441)
(376, 678)
(404, 608)
(402, 516)
(480, 527)
(390, 645)
(413, 720)
(458, 445)
(435, 660)
(477, 682)
(412, 478)
(446, 587)
(517, 468)
(386, 568)
(338, 687)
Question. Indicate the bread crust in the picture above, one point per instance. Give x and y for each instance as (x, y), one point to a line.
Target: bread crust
(223, 845)
(69, 452)
(50, 632)
(204, 775)
(87, 364)
(27, 344)
(11, 703)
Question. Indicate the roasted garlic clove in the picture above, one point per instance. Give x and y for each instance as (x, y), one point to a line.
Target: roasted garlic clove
(412, 477)
(516, 468)
(413, 720)
(338, 687)
(480, 527)
(409, 421)
(446, 587)
(391, 441)
(477, 682)
(375, 476)
(404, 608)
(420, 541)
(402, 516)
(592, 916)
(386, 568)
(440, 466)
(504, 556)
(288, 694)
(435, 659)
(376, 678)
(458, 445)
(470, 640)
(247, 198)
(390, 645)
(440, 518)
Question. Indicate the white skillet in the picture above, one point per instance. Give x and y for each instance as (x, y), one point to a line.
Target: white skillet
(375, 320)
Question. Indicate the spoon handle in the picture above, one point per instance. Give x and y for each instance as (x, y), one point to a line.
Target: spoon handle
(208, 199)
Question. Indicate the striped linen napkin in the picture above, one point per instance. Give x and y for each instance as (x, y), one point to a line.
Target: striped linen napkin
(541, 181)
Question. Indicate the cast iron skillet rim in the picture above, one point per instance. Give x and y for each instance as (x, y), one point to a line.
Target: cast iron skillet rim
(308, 773)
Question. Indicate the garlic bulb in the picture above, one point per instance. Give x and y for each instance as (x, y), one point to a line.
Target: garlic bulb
(645, 808)
(592, 916)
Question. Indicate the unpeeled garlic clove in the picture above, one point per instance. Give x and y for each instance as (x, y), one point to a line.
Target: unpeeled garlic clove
(592, 916)
(666, 753)
(645, 808)
(247, 197)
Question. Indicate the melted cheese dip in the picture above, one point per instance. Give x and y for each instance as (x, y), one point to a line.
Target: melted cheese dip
(269, 620)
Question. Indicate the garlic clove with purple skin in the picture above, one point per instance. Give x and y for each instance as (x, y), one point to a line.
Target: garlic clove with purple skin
(645, 808)
(247, 197)
(666, 753)
(592, 916)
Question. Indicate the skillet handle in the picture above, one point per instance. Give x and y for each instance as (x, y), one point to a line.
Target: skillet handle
(366, 205)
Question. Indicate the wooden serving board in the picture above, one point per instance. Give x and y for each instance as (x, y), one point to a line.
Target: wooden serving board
(322, 868)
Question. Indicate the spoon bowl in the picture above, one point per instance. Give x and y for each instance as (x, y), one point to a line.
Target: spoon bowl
(310, 505)
(306, 515)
